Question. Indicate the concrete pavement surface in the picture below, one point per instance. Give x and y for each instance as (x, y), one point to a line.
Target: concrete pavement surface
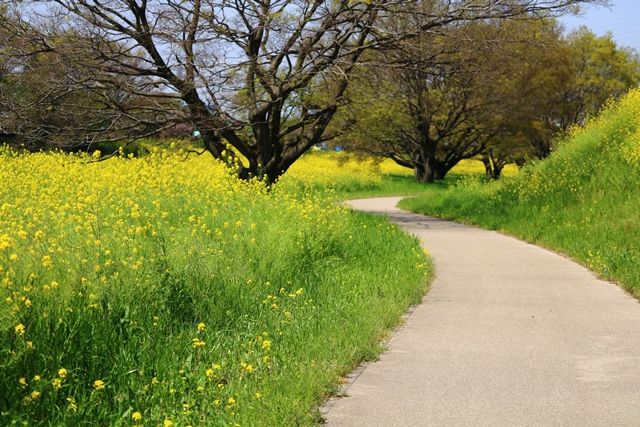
(509, 335)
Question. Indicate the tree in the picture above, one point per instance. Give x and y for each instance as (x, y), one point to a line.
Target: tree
(602, 70)
(439, 99)
(53, 92)
(566, 82)
(540, 69)
(243, 68)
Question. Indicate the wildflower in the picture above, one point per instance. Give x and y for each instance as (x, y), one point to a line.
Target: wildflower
(136, 416)
(46, 262)
(98, 385)
(209, 372)
(36, 378)
(23, 381)
(72, 405)
(201, 326)
(56, 383)
(20, 329)
(154, 380)
(266, 345)
(13, 257)
(35, 395)
(62, 372)
(258, 395)
(168, 423)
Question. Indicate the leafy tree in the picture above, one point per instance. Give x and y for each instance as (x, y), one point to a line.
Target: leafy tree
(567, 81)
(602, 70)
(539, 70)
(439, 99)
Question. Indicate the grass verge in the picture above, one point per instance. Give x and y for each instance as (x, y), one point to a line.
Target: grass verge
(582, 201)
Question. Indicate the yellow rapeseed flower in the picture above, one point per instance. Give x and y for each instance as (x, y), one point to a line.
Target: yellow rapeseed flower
(98, 385)
(20, 329)
(46, 262)
(136, 416)
(62, 372)
(72, 405)
(201, 326)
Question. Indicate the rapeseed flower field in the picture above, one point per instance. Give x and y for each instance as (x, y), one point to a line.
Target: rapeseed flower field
(163, 291)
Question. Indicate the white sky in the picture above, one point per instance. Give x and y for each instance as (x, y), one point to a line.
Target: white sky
(622, 19)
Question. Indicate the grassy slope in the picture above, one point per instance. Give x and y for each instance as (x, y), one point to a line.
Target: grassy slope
(584, 200)
(142, 291)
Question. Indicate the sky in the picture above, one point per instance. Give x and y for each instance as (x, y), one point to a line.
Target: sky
(622, 19)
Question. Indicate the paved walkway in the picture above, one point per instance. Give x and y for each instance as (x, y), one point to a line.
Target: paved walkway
(509, 335)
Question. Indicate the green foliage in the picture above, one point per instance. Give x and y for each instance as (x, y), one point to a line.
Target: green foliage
(583, 200)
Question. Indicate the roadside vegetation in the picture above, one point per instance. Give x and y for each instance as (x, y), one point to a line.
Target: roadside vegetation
(162, 291)
(583, 200)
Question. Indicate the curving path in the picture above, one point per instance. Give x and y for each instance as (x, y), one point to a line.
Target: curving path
(509, 335)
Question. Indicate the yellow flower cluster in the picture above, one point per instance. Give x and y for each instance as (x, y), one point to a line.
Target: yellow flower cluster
(83, 242)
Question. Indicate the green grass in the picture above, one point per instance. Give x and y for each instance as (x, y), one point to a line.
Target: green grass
(401, 185)
(155, 292)
(584, 200)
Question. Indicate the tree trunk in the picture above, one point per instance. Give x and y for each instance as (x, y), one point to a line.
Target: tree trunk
(488, 168)
(497, 171)
(424, 165)
(421, 173)
(492, 168)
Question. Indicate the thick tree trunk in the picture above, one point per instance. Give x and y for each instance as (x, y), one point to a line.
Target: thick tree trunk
(488, 170)
(421, 173)
(493, 169)
(497, 171)
(424, 165)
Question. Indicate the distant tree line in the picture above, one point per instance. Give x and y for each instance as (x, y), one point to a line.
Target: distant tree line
(424, 82)
(502, 92)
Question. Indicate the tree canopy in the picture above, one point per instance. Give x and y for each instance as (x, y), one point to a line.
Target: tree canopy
(244, 73)
(501, 91)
